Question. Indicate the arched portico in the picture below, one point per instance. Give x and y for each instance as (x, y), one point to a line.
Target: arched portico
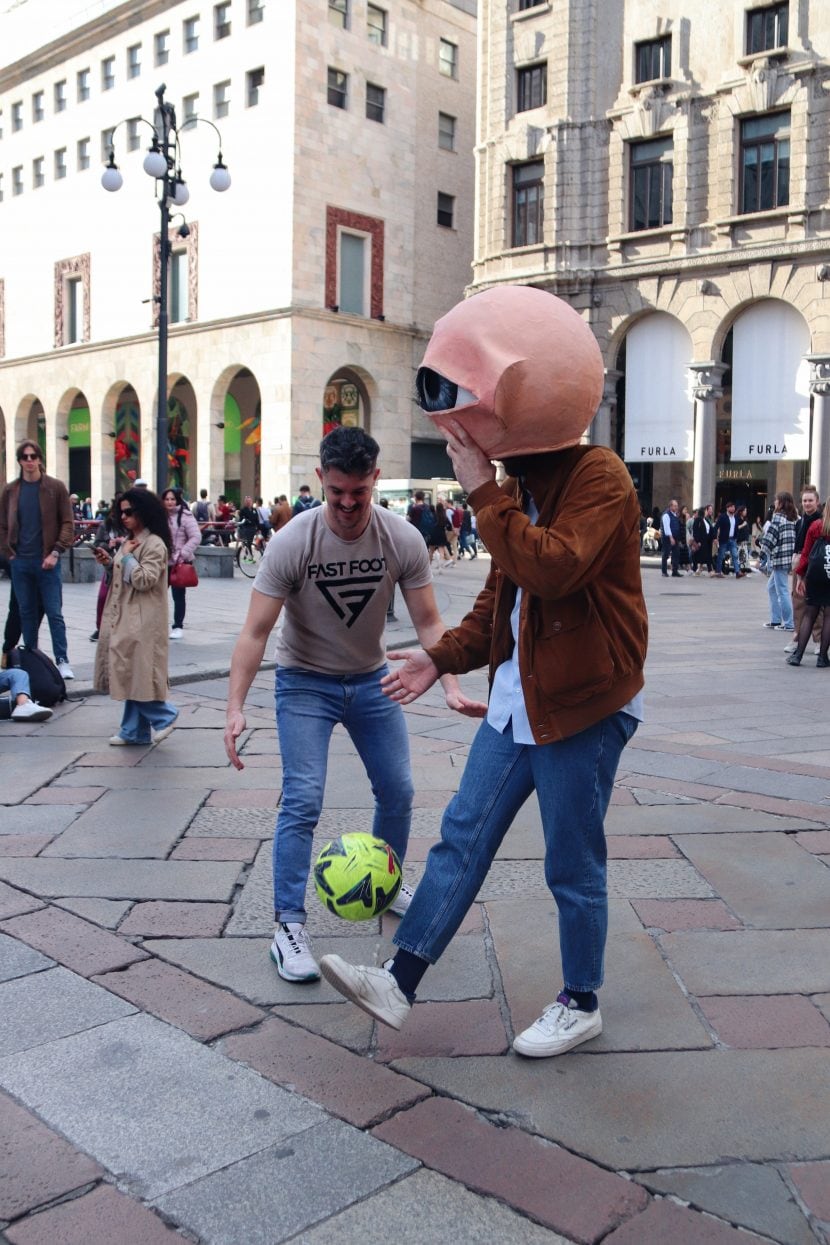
(347, 400)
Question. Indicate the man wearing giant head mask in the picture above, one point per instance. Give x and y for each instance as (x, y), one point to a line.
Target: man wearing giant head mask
(515, 374)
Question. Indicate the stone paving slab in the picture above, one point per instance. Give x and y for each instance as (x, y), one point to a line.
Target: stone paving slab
(812, 1180)
(751, 961)
(766, 879)
(642, 1005)
(124, 879)
(696, 819)
(18, 960)
(103, 1214)
(248, 823)
(202, 1010)
(654, 879)
(42, 766)
(337, 1021)
(13, 902)
(171, 778)
(634, 1112)
(260, 1201)
(664, 1221)
(674, 914)
(38, 818)
(73, 942)
(152, 1104)
(105, 912)
(23, 844)
(165, 919)
(36, 1165)
(188, 749)
(745, 1194)
(428, 1209)
(556, 1188)
(761, 1023)
(55, 795)
(822, 1002)
(194, 848)
(474, 1027)
(49, 1005)
(145, 828)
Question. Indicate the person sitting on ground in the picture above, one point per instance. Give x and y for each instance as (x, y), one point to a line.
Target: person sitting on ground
(16, 682)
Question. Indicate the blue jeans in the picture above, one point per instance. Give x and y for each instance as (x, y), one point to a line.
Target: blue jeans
(730, 547)
(573, 779)
(29, 578)
(140, 716)
(309, 706)
(16, 682)
(780, 601)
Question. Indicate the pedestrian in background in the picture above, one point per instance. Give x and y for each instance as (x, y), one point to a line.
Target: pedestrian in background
(813, 586)
(185, 538)
(670, 530)
(109, 536)
(726, 528)
(811, 509)
(438, 537)
(778, 545)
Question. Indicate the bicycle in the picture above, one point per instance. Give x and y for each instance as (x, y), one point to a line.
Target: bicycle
(249, 551)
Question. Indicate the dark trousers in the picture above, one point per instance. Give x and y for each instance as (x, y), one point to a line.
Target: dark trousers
(14, 627)
(179, 606)
(670, 551)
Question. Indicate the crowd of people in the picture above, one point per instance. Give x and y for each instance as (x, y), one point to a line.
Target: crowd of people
(449, 529)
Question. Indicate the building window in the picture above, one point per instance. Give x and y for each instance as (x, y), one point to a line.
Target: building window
(528, 202)
(255, 11)
(108, 73)
(221, 21)
(532, 87)
(446, 131)
(60, 95)
(134, 60)
(190, 106)
(222, 98)
(338, 84)
(60, 164)
(38, 106)
(82, 85)
(765, 162)
(133, 135)
(339, 13)
(528, 4)
(17, 116)
(447, 58)
(376, 25)
(190, 33)
(651, 183)
(161, 47)
(38, 175)
(351, 294)
(73, 310)
(177, 310)
(375, 102)
(767, 28)
(83, 154)
(17, 180)
(254, 81)
(106, 143)
(446, 210)
(71, 318)
(652, 59)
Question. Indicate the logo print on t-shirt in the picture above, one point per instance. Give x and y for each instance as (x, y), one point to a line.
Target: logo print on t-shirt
(349, 597)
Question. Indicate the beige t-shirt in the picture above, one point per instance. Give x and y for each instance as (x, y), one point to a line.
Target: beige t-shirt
(337, 591)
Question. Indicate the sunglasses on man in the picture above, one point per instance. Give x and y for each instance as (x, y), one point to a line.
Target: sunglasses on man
(29, 458)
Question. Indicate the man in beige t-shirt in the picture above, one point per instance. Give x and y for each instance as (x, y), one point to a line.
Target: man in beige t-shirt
(333, 570)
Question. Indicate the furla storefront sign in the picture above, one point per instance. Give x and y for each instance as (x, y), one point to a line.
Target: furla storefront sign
(659, 409)
(770, 384)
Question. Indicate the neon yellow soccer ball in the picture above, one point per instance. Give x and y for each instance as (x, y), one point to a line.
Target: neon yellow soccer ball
(357, 876)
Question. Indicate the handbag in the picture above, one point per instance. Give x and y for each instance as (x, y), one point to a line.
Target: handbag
(183, 575)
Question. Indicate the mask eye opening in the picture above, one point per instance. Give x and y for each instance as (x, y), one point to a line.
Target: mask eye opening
(434, 391)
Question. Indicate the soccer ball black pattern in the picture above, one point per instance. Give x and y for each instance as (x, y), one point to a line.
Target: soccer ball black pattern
(357, 876)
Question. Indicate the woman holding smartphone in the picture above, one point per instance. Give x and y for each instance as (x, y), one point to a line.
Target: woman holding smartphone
(131, 660)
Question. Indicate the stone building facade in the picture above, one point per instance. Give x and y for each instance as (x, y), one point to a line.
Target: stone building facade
(665, 167)
(301, 297)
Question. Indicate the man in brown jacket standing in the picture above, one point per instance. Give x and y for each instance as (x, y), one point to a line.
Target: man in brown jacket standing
(515, 374)
(36, 526)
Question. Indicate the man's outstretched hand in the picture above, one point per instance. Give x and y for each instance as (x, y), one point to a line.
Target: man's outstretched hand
(416, 675)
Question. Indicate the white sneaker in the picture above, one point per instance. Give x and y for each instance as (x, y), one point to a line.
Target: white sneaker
(402, 900)
(176, 633)
(560, 1027)
(791, 647)
(65, 670)
(31, 712)
(816, 650)
(159, 736)
(291, 952)
(374, 990)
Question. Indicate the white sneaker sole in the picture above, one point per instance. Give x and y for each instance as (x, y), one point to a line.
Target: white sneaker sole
(540, 1050)
(344, 986)
(286, 976)
(165, 732)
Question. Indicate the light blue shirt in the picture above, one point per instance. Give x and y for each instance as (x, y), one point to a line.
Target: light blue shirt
(507, 702)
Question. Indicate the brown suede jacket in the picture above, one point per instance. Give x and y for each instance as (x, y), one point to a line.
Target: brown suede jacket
(56, 518)
(583, 624)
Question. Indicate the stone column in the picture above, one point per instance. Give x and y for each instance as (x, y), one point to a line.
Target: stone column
(820, 441)
(706, 391)
(600, 431)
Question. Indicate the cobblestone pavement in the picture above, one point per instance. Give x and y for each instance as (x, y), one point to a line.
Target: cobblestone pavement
(158, 1079)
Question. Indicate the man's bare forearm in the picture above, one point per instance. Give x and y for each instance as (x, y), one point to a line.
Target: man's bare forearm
(245, 663)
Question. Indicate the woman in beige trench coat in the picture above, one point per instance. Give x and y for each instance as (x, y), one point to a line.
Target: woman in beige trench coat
(131, 659)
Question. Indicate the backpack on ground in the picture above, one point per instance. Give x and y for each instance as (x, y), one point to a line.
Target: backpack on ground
(46, 680)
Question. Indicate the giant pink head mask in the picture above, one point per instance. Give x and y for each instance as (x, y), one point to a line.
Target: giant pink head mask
(530, 365)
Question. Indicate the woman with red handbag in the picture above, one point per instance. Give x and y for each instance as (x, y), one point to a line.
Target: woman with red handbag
(185, 538)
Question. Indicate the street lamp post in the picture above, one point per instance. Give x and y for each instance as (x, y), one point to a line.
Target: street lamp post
(162, 163)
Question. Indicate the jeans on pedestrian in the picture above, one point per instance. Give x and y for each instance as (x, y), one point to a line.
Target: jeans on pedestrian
(179, 605)
(573, 779)
(141, 717)
(33, 586)
(16, 682)
(730, 547)
(309, 706)
(780, 602)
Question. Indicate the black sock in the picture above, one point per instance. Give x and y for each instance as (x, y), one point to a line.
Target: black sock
(585, 1000)
(408, 969)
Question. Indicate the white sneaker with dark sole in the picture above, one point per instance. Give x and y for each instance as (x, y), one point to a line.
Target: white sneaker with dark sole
(291, 952)
(402, 900)
(560, 1027)
(160, 736)
(31, 711)
(65, 670)
(373, 990)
